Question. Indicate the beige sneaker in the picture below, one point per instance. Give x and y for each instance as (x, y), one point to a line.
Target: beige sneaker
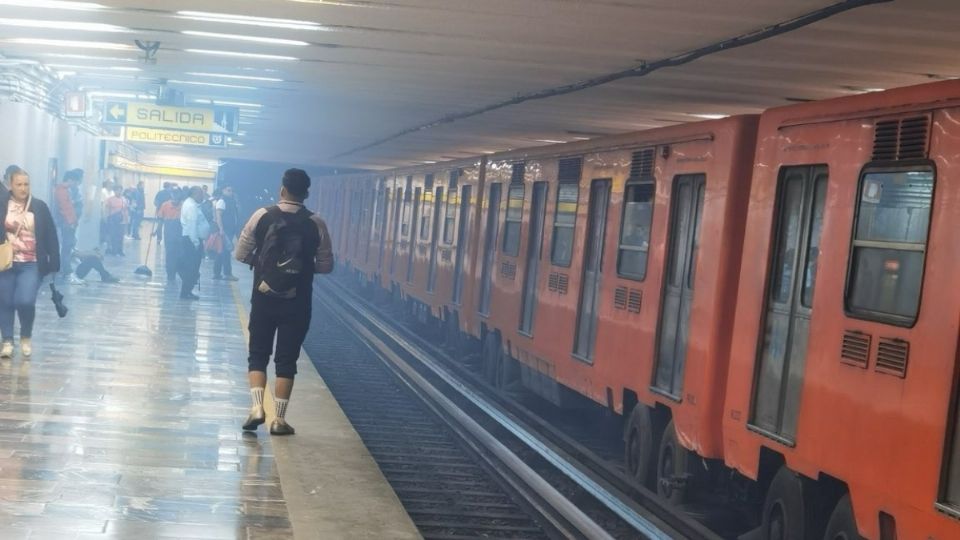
(6, 350)
(26, 347)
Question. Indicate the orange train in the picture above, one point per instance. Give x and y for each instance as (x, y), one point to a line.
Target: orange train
(770, 295)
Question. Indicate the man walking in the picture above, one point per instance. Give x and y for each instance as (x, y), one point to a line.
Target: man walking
(196, 228)
(286, 244)
(227, 218)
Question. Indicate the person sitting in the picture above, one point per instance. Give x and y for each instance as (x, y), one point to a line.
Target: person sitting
(90, 260)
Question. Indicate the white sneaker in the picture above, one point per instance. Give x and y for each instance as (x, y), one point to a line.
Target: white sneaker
(75, 280)
(26, 347)
(6, 350)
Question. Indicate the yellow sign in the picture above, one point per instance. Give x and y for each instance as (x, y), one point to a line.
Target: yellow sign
(132, 113)
(165, 136)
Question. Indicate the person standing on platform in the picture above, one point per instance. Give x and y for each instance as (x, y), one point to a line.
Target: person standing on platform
(169, 216)
(196, 229)
(66, 217)
(227, 218)
(286, 245)
(161, 197)
(30, 227)
(117, 216)
(135, 197)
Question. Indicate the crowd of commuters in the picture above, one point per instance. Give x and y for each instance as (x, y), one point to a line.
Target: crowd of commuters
(285, 244)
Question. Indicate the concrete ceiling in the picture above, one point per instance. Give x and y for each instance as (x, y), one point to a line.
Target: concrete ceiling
(373, 68)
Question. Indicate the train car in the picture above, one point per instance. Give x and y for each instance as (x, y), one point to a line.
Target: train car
(842, 390)
(608, 268)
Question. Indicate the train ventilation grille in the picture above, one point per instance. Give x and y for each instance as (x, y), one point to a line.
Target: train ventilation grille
(627, 299)
(892, 356)
(901, 139)
(856, 348)
(558, 282)
(570, 170)
(642, 164)
(508, 270)
(518, 171)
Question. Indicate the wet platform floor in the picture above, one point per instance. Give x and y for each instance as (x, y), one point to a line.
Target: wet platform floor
(125, 423)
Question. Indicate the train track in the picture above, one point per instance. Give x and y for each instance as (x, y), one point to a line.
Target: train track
(542, 468)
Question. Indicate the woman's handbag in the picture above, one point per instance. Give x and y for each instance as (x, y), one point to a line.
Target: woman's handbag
(6, 256)
(214, 243)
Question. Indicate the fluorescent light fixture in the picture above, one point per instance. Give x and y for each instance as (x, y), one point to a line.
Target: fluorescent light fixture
(241, 134)
(245, 123)
(70, 44)
(240, 37)
(89, 57)
(228, 103)
(708, 116)
(218, 85)
(52, 4)
(241, 54)
(249, 112)
(550, 141)
(237, 77)
(231, 143)
(265, 22)
(119, 95)
(108, 68)
(63, 25)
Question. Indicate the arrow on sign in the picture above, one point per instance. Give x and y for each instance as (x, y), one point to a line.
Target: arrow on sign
(117, 113)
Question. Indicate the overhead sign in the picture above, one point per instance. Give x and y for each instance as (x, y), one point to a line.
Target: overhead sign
(136, 134)
(131, 113)
(75, 104)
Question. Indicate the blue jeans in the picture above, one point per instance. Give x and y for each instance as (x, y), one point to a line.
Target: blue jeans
(18, 292)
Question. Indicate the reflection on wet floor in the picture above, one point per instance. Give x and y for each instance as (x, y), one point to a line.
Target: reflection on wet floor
(125, 422)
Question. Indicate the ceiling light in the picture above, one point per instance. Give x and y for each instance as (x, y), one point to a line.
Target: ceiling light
(241, 134)
(241, 54)
(52, 4)
(232, 143)
(89, 57)
(550, 141)
(240, 37)
(63, 25)
(238, 77)
(108, 68)
(243, 122)
(218, 85)
(228, 103)
(708, 116)
(70, 44)
(250, 21)
(119, 95)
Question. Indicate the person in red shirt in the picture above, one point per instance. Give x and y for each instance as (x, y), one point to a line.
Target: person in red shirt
(116, 215)
(169, 214)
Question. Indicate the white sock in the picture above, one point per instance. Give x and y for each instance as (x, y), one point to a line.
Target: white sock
(281, 407)
(257, 395)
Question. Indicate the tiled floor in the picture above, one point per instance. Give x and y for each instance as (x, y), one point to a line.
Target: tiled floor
(124, 423)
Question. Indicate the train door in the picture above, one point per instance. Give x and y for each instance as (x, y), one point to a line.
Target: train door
(397, 210)
(682, 243)
(463, 215)
(490, 247)
(417, 195)
(434, 240)
(587, 316)
(786, 325)
(534, 248)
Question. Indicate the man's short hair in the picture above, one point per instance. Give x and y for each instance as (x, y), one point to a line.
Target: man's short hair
(297, 183)
(73, 175)
(11, 170)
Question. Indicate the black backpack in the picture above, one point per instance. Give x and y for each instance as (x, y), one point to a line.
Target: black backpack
(281, 257)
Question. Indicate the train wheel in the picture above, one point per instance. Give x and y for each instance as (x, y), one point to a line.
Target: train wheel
(783, 507)
(842, 524)
(638, 444)
(677, 468)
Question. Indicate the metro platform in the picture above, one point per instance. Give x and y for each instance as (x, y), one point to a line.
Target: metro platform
(125, 423)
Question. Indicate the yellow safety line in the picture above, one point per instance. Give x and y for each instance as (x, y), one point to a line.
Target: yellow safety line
(268, 406)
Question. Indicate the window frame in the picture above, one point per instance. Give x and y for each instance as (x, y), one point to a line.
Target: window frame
(870, 315)
(572, 227)
(651, 180)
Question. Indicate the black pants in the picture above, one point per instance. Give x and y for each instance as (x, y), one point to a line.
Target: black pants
(92, 263)
(171, 255)
(68, 240)
(288, 321)
(190, 258)
(222, 261)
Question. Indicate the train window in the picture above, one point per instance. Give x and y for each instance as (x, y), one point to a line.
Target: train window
(635, 229)
(889, 245)
(514, 217)
(450, 218)
(405, 216)
(426, 217)
(564, 223)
